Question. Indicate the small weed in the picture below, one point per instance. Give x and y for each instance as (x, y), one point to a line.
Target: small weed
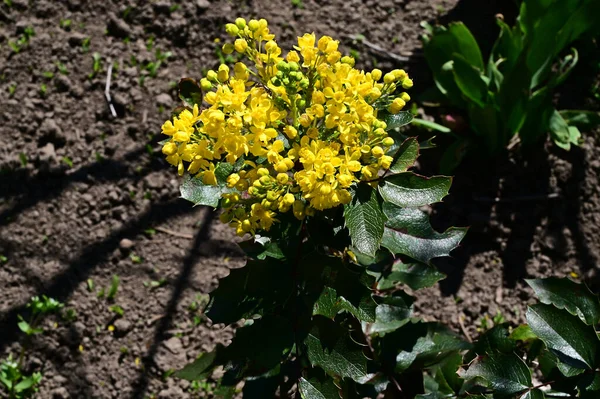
(48, 74)
(69, 315)
(96, 66)
(116, 309)
(85, 44)
(174, 8)
(136, 259)
(114, 287)
(155, 284)
(354, 54)
(3, 259)
(297, 3)
(101, 294)
(23, 159)
(62, 68)
(149, 232)
(68, 161)
(8, 3)
(12, 89)
(43, 89)
(150, 43)
(90, 285)
(65, 24)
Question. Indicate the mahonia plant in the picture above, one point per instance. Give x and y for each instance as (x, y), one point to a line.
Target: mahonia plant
(300, 130)
(303, 155)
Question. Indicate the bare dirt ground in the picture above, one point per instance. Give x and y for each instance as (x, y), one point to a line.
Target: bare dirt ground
(85, 196)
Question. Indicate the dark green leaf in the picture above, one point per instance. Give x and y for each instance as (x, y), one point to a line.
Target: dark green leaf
(406, 155)
(392, 313)
(261, 248)
(522, 333)
(566, 294)
(408, 232)
(533, 394)
(446, 373)
(431, 125)
(262, 345)
(469, 80)
(222, 172)
(421, 345)
(330, 348)
(315, 389)
(559, 131)
(495, 340)
(586, 120)
(330, 304)
(252, 289)
(466, 45)
(193, 190)
(507, 374)
(415, 275)
(565, 335)
(190, 92)
(262, 387)
(394, 121)
(25, 384)
(365, 220)
(199, 368)
(412, 190)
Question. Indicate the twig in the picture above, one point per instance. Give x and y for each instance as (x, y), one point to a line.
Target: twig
(523, 198)
(461, 323)
(174, 233)
(379, 49)
(107, 89)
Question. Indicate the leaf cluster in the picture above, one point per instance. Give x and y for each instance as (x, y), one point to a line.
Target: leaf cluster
(511, 93)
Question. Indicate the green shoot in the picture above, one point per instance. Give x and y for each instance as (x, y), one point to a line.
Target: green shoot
(68, 161)
(114, 287)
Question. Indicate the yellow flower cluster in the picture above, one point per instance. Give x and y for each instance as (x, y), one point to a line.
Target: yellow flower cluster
(301, 130)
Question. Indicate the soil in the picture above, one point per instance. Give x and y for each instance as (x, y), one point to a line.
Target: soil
(86, 196)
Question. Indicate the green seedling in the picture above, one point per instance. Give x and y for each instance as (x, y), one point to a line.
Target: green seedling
(150, 232)
(69, 315)
(96, 66)
(150, 43)
(43, 89)
(18, 384)
(116, 309)
(65, 24)
(155, 284)
(3, 259)
(23, 159)
(48, 74)
(297, 3)
(136, 258)
(90, 285)
(68, 161)
(101, 294)
(8, 3)
(12, 89)
(62, 68)
(114, 287)
(85, 44)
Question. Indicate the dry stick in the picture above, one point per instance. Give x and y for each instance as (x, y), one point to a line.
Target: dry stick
(174, 233)
(107, 89)
(461, 323)
(379, 49)
(518, 199)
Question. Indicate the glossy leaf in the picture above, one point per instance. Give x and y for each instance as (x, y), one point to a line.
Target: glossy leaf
(564, 334)
(469, 80)
(329, 347)
(394, 121)
(409, 232)
(507, 374)
(330, 304)
(190, 92)
(566, 294)
(365, 220)
(406, 155)
(315, 389)
(195, 191)
(412, 190)
(392, 313)
(587, 120)
(415, 275)
(533, 394)
(250, 290)
(200, 368)
(559, 131)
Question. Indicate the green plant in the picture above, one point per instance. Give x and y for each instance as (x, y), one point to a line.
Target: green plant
(67, 161)
(12, 89)
(510, 95)
(62, 68)
(85, 44)
(43, 89)
(16, 381)
(96, 65)
(114, 287)
(65, 24)
(22, 41)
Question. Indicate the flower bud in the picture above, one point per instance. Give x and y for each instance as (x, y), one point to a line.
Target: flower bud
(389, 78)
(348, 60)
(407, 83)
(169, 148)
(253, 25)
(240, 45)
(262, 172)
(211, 75)
(228, 48)
(205, 84)
(388, 142)
(289, 199)
(376, 74)
(282, 178)
(231, 29)
(240, 23)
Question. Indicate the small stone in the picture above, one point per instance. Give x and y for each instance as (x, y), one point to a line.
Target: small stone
(122, 327)
(50, 131)
(76, 39)
(174, 345)
(47, 153)
(117, 27)
(164, 99)
(126, 244)
(202, 5)
(60, 393)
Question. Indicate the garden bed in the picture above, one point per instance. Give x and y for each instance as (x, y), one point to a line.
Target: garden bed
(85, 196)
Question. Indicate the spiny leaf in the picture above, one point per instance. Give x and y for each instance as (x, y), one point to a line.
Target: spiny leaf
(330, 348)
(415, 275)
(406, 155)
(565, 335)
(392, 313)
(365, 220)
(193, 190)
(409, 232)
(566, 294)
(199, 368)
(314, 389)
(394, 121)
(330, 304)
(507, 374)
(411, 190)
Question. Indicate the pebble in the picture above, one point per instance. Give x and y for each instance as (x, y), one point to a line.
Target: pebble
(174, 345)
(126, 244)
(122, 326)
(202, 5)
(76, 39)
(60, 393)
